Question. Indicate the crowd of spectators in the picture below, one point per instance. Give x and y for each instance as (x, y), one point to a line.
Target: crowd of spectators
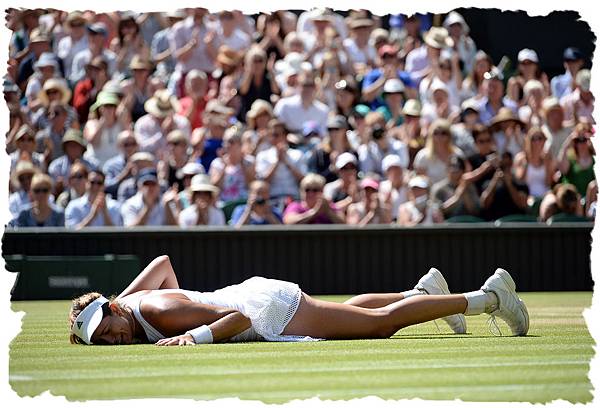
(190, 118)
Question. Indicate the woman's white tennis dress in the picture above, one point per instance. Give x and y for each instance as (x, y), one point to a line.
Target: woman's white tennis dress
(270, 305)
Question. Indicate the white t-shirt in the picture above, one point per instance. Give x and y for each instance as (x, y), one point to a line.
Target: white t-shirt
(189, 216)
(291, 112)
(283, 182)
(435, 169)
(238, 40)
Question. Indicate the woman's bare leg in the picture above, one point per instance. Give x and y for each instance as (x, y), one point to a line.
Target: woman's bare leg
(330, 320)
(374, 300)
(159, 274)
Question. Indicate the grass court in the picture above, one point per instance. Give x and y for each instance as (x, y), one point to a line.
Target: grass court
(424, 361)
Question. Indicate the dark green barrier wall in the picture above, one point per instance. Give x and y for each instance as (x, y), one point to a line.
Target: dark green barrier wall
(340, 260)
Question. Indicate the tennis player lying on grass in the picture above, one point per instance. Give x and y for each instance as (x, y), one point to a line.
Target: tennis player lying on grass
(154, 310)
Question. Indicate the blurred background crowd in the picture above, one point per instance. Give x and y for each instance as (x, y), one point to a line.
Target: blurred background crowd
(195, 118)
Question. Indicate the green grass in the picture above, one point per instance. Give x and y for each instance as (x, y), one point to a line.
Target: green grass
(552, 362)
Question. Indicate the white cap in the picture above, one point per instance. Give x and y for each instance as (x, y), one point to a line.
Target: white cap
(393, 85)
(438, 85)
(453, 18)
(391, 160)
(418, 181)
(88, 320)
(142, 156)
(190, 169)
(528, 54)
(344, 159)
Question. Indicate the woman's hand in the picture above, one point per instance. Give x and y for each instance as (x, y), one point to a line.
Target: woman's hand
(181, 340)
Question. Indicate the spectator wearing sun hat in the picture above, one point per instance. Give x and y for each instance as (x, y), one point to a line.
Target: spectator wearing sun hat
(393, 190)
(493, 97)
(458, 31)
(418, 209)
(313, 207)
(101, 133)
(344, 191)
(573, 61)
(49, 139)
(25, 144)
(369, 209)
(73, 43)
(146, 207)
(388, 67)
(128, 186)
(419, 60)
(39, 43)
(186, 173)
(97, 34)
(54, 90)
(45, 67)
(360, 51)
(74, 146)
(527, 69)
(21, 181)
(203, 210)
(393, 95)
(579, 103)
(151, 129)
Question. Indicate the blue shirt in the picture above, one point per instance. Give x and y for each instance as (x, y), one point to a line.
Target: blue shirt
(26, 218)
(210, 151)
(79, 208)
(111, 169)
(561, 84)
(61, 167)
(487, 113)
(254, 220)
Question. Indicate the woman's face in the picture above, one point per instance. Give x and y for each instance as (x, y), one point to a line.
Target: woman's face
(344, 98)
(262, 120)
(108, 111)
(527, 68)
(311, 194)
(40, 192)
(113, 329)
(482, 66)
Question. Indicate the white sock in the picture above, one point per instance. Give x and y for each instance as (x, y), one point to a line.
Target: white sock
(412, 292)
(479, 302)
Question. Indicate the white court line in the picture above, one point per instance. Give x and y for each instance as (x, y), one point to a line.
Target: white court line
(294, 370)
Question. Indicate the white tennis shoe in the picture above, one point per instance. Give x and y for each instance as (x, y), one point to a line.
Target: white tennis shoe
(510, 308)
(433, 283)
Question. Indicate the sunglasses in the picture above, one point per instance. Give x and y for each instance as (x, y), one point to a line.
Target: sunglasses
(77, 176)
(537, 138)
(484, 141)
(129, 144)
(175, 143)
(96, 182)
(43, 190)
(580, 140)
(349, 167)
(52, 91)
(25, 177)
(313, 190)
(441, 133)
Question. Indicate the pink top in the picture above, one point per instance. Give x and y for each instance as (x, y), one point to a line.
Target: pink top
(297, 207)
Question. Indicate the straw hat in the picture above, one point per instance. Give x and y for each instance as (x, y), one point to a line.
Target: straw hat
(437, 37)
(412, 107)
(23, 167)
(505, 115)
(37, 35)
(58, 84)
(75, 16)
(360, 23)
(201, 182)
(228, 56)
(74, 135)
(258, 107)
(161, 104)
(24, 130)
(138, 62)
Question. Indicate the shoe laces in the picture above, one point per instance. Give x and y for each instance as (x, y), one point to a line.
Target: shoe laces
(493, 326)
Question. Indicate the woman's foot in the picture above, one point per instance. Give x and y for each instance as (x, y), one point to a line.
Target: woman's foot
(510, 307)
(433, 283)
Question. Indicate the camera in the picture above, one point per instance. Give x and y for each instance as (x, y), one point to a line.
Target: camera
(377, 132)
(260, 201)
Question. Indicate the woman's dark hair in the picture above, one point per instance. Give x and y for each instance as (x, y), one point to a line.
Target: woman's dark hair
(478, 130)
(125, 20)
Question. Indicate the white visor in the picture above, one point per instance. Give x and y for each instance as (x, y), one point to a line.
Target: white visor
(88, 320)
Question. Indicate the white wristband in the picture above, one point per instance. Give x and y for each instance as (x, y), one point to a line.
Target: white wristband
(201, 335)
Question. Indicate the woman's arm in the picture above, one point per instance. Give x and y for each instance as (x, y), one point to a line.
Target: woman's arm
(159, 274)
(173, 315)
